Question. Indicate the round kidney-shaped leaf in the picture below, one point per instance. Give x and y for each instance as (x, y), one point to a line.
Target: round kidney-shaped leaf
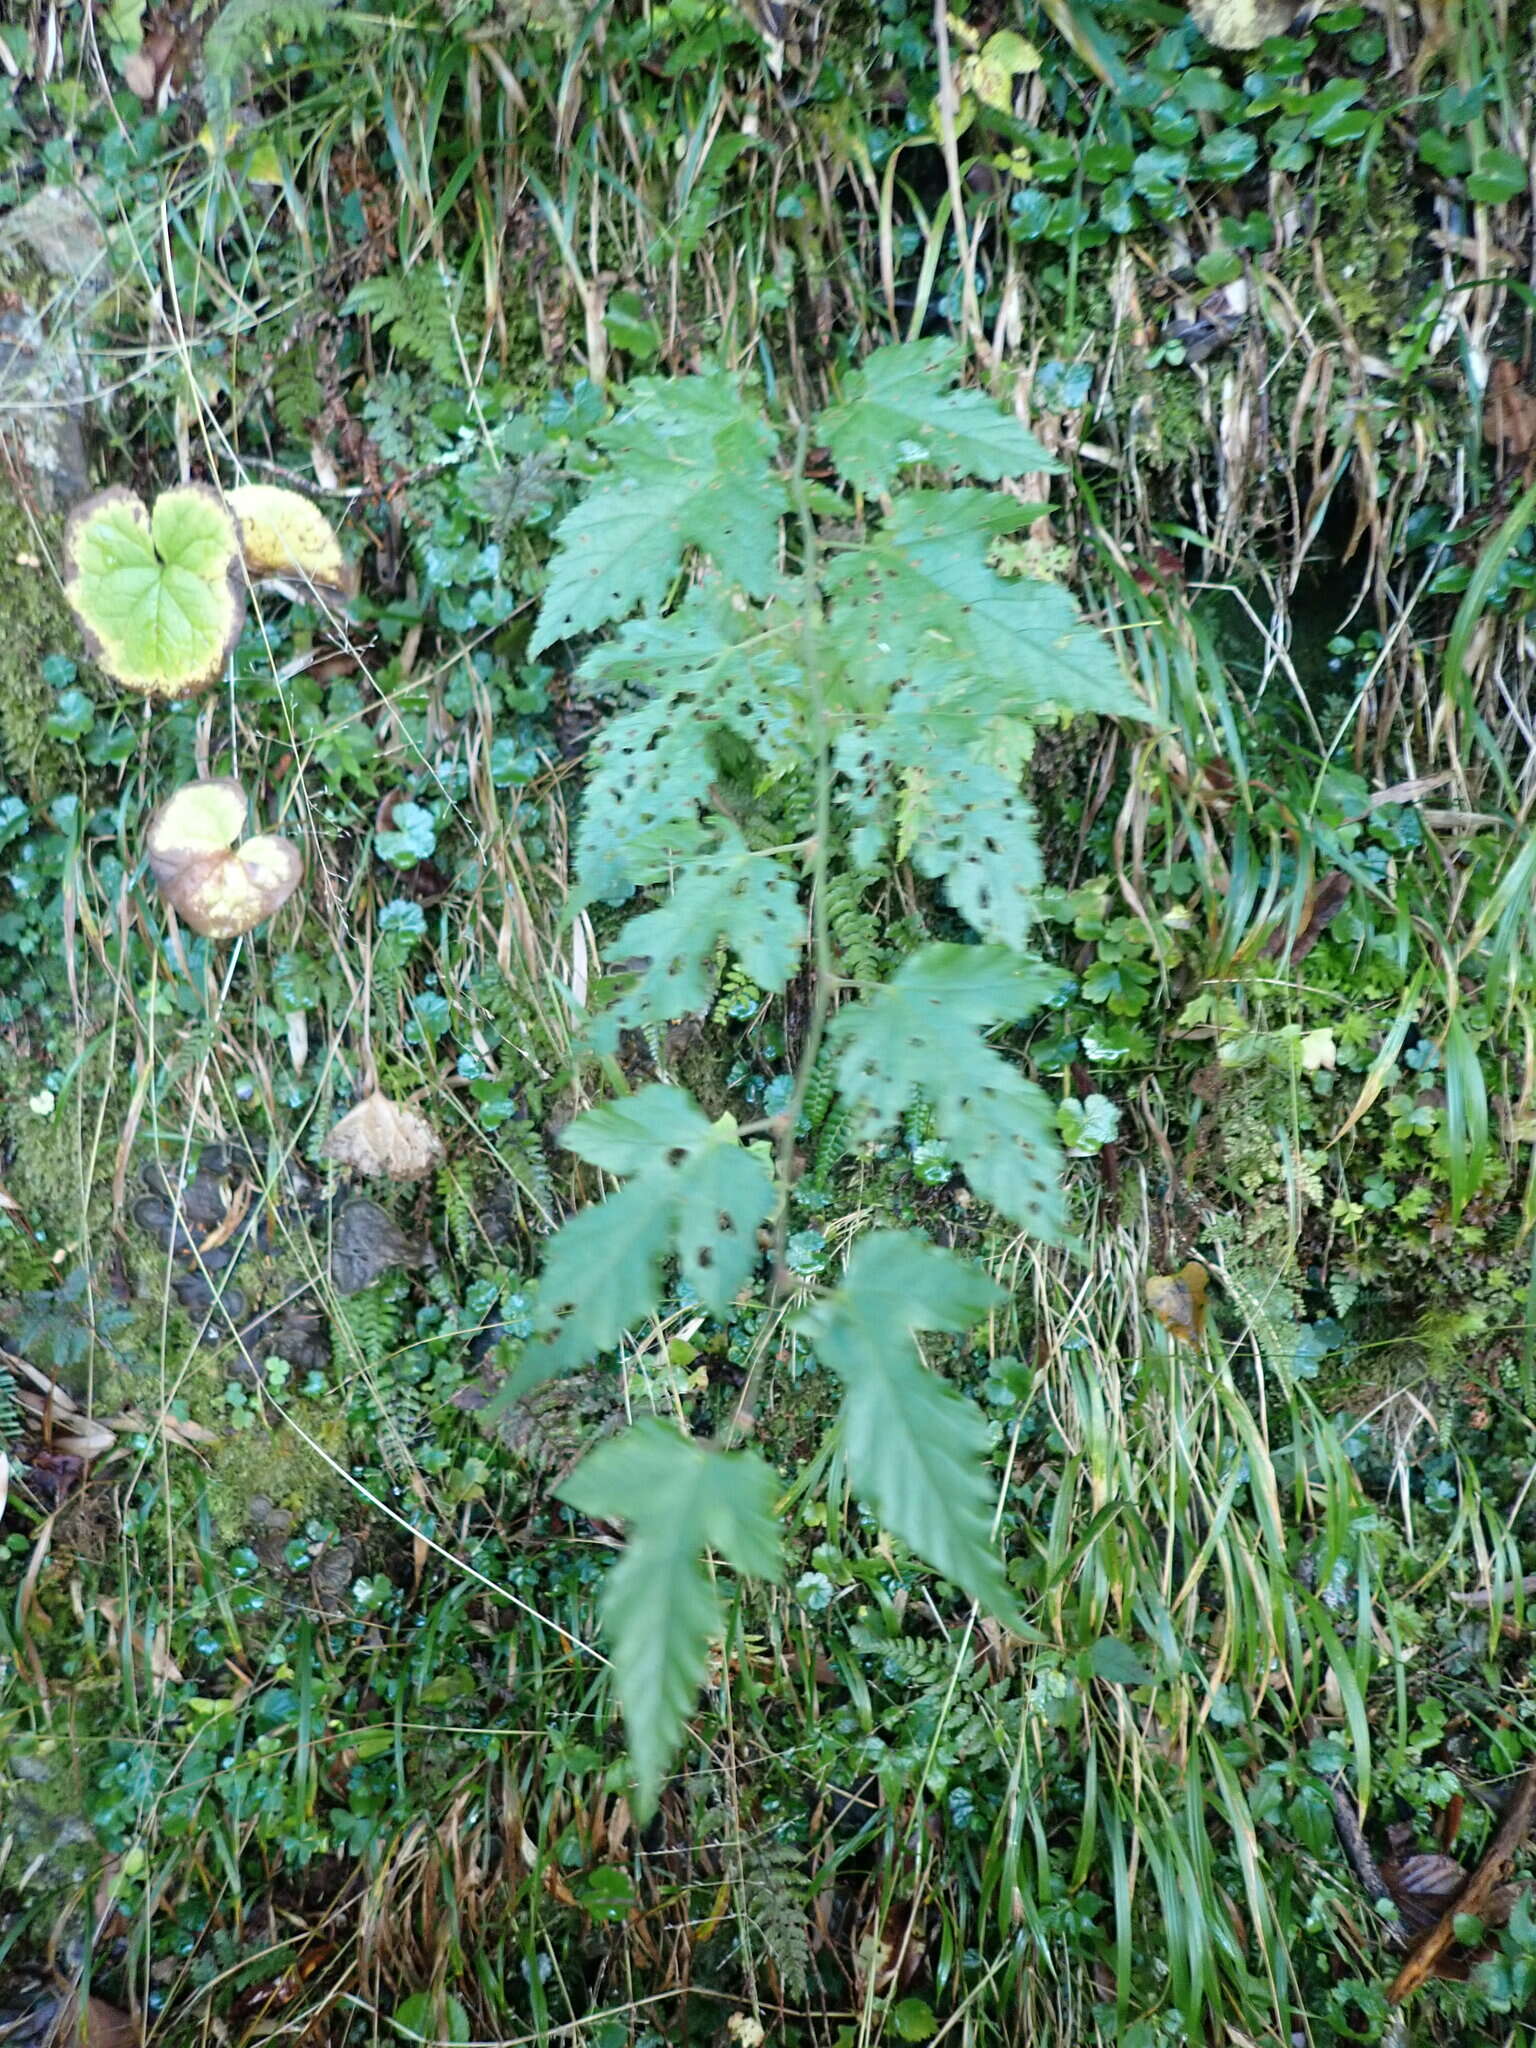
(283, 535)
(159, 595)
(218, 884)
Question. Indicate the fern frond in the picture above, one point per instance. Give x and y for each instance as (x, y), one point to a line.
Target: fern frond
(855, 930)
(10, 1407)
(249, 29)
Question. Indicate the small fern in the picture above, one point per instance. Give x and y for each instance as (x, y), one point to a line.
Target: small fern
(10, 1407)
(366, 1326)
(767, 1874)
(855, 929)
(820, 1092)
(456, 1192)
(296, 395)
(738, 997)
(835, 1142)
(426, 313)
(250, 29)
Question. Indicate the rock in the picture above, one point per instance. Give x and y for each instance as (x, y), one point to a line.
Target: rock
(54, 242)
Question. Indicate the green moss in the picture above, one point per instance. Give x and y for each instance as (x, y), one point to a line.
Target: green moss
(1368, 233)
(49, 1158)
(277, 1466)
(34, 622)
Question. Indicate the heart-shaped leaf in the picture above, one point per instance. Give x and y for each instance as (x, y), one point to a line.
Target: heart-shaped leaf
(219, 885)
(160, 595)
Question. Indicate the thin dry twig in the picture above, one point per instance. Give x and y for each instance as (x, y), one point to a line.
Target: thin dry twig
(1481, 1886)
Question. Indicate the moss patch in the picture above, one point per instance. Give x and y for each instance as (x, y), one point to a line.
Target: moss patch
(34, 623)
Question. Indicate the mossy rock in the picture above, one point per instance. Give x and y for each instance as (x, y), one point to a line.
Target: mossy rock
(34, 623)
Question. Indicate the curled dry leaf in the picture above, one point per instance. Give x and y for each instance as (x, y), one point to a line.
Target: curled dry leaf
(1509, 411)
(283, 535)
(381, 1138)
(1178, 1301)
(220, 885)
(159, 595)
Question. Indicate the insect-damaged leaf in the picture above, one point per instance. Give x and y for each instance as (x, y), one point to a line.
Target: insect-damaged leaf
(916, 1446)
(745, 900)
(690, 470)
(901, 408)
(921, 1035)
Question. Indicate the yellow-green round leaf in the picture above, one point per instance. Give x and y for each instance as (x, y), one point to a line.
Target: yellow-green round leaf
(283, 534)
(1001, 59)
(159, 596)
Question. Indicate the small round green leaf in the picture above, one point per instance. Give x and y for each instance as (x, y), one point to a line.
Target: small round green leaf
(160, 597)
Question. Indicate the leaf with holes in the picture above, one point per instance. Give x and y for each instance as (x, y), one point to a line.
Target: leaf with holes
(962, 821)
(923, 587)
(659, 1605)
(710, 672)
(691, 469)
(160, 595)
(901, 408)
(920, 1037)
(916, 1447)
(742, 899)
(693, 1191)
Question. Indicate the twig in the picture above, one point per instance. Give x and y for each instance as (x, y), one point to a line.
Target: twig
(1480, 1888)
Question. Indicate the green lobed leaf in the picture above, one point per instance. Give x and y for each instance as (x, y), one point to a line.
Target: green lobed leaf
(916, 1447)
(921, 1036)
(160, 596)
(901, 408)
(693, 1191)
(924, 588)
(659, 1606)
(691, 469)
(742, 899)
(709, 669)
(962, 820)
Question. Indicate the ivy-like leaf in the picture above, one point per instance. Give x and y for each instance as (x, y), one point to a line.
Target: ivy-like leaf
(690, 470)
(921, 1035)
(901, 409)
(659, 1605)
(924, 590)
(160, 596)
(693, 1190)
(745, 899)
(916, 1446)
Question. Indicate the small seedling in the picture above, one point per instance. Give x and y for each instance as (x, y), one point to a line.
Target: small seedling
(219, 884)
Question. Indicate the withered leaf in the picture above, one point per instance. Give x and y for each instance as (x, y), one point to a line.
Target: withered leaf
(1327, 900)
(381, 1138)
(1178, 1301)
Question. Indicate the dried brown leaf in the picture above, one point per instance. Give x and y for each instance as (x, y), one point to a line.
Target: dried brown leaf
(380, 1138)
(1178, 1301)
